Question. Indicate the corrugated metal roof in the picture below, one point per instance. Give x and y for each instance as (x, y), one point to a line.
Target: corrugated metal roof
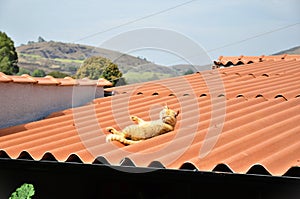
(241, 119)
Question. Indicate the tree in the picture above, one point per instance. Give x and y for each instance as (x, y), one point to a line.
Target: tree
(58, 74)
(41, 39)
(38, 73)
(8, 55)
(23, 71)
(99, 67)
(112, 73)
(189, 71)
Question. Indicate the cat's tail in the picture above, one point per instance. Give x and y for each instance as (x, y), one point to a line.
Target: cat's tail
(114, 137)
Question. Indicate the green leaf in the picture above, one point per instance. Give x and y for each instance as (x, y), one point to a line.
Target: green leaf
(23, 192)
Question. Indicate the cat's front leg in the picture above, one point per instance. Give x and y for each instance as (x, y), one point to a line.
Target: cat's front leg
(136, 119)
(113, 137)
(168, 127)
(113, 131)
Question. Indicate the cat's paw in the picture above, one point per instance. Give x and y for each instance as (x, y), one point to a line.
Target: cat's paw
(134, 118)
(110, 129)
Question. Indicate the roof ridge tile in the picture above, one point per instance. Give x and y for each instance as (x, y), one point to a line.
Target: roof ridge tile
(50, 80)
(5, 78)
(29, 77)
(242, 59)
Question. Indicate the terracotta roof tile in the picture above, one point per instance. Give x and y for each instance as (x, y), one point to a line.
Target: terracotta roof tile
(238, 60)
(231, 119)
(87, 82)
(49, 80)
(23, 79)
(103, 82)
(4, 78)
(67, 81)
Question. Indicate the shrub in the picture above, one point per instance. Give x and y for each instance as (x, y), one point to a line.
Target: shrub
(23, 192)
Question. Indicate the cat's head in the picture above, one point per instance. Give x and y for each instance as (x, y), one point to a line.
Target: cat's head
(169, 116)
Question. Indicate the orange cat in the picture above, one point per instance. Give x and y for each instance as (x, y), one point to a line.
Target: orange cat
(144, 129)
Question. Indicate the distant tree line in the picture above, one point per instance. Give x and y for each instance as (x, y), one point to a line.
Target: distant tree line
(93, 68)
(42, 73)
(40, 39)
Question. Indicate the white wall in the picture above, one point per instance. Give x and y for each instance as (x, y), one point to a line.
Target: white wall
(22, 103)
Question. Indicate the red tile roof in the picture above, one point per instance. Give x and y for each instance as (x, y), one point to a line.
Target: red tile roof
(240, 119)
(49, 80)
(238, 60)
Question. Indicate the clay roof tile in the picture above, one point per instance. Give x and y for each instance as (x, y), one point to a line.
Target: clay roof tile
(4, 78)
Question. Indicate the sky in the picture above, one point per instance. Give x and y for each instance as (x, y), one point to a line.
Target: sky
(218, 27)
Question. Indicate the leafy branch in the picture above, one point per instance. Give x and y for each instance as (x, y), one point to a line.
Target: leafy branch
(23, 192)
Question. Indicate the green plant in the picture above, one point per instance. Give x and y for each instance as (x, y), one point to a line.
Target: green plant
(96, 67)
(38, 73)
(23, 192)
(23, 71)
(8, 55)
(189, 71)
(58, 74)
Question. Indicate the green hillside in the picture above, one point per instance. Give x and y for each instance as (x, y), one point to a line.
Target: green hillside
(68, 57)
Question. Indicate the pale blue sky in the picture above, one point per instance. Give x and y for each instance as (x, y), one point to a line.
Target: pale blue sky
(213, 24)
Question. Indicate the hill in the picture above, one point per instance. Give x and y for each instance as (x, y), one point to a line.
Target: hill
(68, 57)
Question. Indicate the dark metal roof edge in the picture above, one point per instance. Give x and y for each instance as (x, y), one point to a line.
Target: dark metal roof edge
(133, 169)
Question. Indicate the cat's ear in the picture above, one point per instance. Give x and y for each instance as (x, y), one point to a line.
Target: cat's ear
(177, 113)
